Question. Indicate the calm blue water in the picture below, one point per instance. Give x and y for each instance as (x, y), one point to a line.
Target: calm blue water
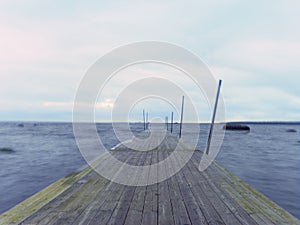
(268, 158)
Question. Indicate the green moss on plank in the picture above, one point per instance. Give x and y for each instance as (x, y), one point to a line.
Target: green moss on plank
(253, 200)
(37, 201)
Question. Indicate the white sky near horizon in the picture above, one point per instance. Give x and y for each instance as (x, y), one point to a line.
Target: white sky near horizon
(47, 46)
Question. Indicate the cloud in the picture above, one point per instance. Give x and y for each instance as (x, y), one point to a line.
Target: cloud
(58, 104)
(106, 104)
(266, 55)
(262, 103)
(232, 76)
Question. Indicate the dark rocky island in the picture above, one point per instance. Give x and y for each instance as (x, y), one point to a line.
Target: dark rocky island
(229, 126)
(291, 130)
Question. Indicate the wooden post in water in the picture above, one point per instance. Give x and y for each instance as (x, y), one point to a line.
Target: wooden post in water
(147, 121)
(172, 122)
(167, 122)
(144, 119)
(181, 118)
(213, 118)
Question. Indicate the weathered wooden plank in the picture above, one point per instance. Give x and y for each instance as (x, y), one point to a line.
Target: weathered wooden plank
(73, 206)
(120, 213)
(180, 213)
(37, 201)
(103, 194)
(149, 214)
(235, 208)
(101, 202)
(215, 182)
(121, 205)
(195, 214)
(211, 215)
(135, 212)
(260, 209)
(107, 209)
(92, 209)
(49, 211)
(165, 214)
(225, 213)
(165, 210)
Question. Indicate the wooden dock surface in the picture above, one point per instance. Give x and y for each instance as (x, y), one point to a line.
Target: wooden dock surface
(214, 196)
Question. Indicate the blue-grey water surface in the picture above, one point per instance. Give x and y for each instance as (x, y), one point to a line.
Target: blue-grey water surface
(37, 154)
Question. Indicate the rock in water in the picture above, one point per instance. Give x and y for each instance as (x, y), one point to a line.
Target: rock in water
(291, 130)
(236, 127)
(6, 150)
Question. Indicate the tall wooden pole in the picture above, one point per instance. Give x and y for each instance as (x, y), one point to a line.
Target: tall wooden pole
(213, 118)
(147, 121)
(172, 122)
(181, 118)
(144, 119)
(167, 122)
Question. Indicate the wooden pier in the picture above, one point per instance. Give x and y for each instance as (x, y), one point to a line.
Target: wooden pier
(214, 196)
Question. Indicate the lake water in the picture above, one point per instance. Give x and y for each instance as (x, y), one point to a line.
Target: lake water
(37, 154)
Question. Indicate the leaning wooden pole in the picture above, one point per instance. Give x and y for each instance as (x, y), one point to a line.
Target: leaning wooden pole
(144, 119)
(181, 118)
(167, 122)
(213, 118)
(172, 122)
(147, 121)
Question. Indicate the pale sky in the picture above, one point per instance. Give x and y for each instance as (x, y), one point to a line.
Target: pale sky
(47, 46)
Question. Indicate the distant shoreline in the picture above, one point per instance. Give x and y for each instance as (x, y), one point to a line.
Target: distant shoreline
(105, 122)
(266, 122)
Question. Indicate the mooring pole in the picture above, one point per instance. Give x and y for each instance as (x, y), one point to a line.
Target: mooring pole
(172, 122)
(213, 118)
(147, 121)
(167, 122)
(181, 118)
(144, 119)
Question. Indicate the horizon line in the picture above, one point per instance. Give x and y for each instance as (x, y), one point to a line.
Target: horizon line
(229, 121)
